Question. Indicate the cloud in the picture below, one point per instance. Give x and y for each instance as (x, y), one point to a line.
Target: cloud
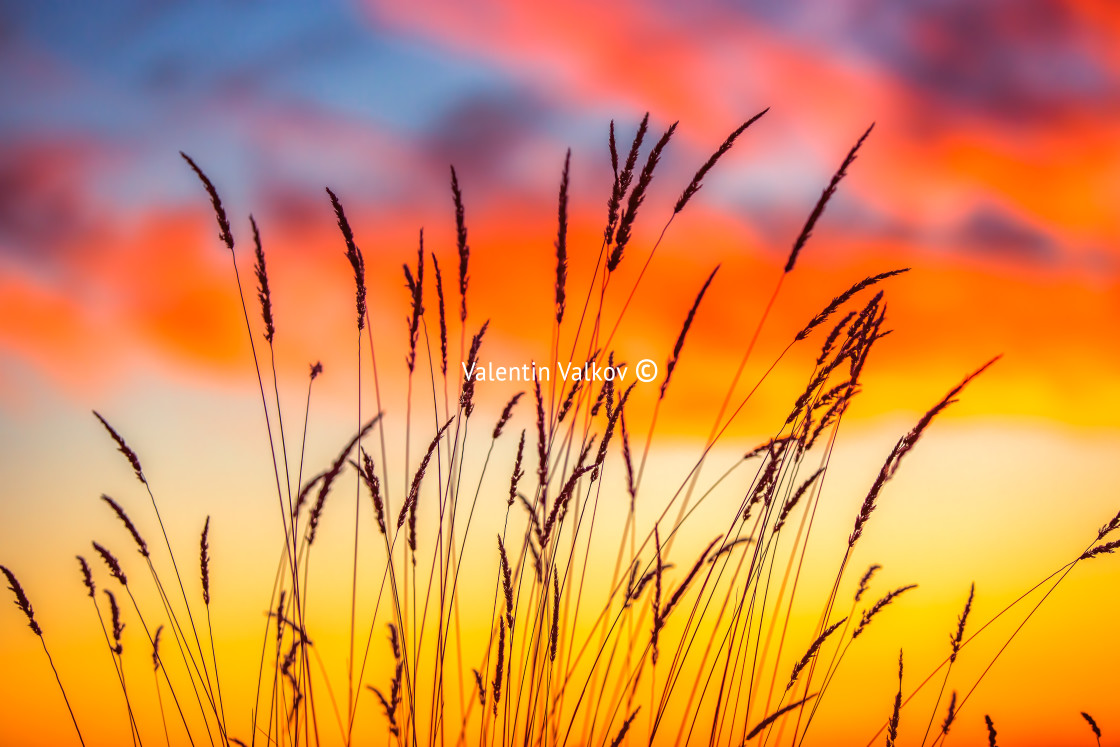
(995, 233)
(482, 133)
(1008, 60)
(43, 202)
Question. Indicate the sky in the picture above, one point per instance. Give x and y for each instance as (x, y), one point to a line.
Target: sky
(994, 155)
(992, 172)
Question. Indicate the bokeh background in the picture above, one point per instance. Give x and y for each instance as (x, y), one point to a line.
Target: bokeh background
(993, 171)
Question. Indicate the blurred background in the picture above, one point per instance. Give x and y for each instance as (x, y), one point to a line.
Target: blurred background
(993, 172)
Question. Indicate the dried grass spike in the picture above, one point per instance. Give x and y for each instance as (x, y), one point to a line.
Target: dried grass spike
(390, 704)
(799, 244)
(518, 473)
(1092, 725)
(542, 445)
(813, 648)
(22, 601)
(951, 715)
(118, 626)
(679, 593)
(562, 241)
(536, 560)
(775, 716)
(87, 577)
(622, 178)
(637, 195)
(830, 341)
(697, 180)
(904, 445)
(534, 519)
(613, 148)
(672, 364)
(481, 687)
(554, 631)
(113, 564)
(280, 619)
(140, 543)
(394, 641)
(409, 507)
(301, 498)
(442, 317)
(369, 477)
(568, 400)
(204, 561)
(628, 460)
(658, 619)
(869, 614)
(328, 479)
(892, 725)
(560, 505)
(416, 294)
(499, 668)
(730, 546)
(1107, 547)
(223, 223)
(957, 638)
(612, 422)
(464, 249)
(354, 257)
(264, 293)
(605, 391)
(1109, 527)
(123, 447)
(765, 448)
(865, 581)
(507, 583)
(466, 399)
(767, 482)
(838, 407)
(625, 728)
(840, 300)
(627, 174)
(155, 648)
(507, 413)
(795, 499)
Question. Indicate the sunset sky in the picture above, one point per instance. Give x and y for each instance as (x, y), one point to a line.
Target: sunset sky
(992, 171)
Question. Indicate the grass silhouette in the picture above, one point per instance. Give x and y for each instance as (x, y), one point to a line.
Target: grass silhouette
(560, 664)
